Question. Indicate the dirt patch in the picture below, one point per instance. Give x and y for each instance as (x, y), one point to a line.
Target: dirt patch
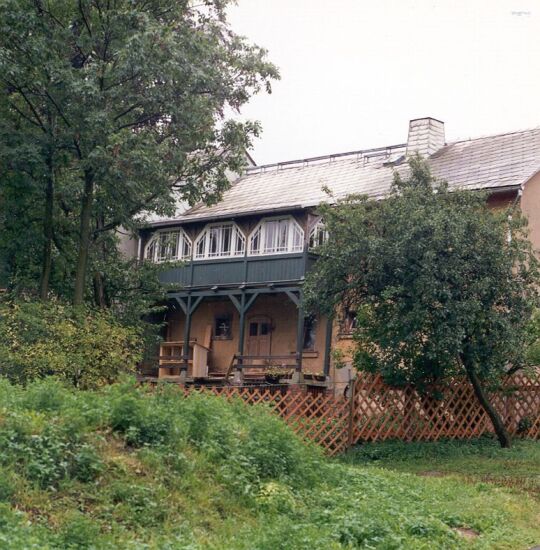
(467, 533)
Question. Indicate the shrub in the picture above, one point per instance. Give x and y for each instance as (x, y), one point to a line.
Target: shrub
(46, 452)
(87, 348)
(140, 422)
(7, 485)
(275, 497)
(78, 532)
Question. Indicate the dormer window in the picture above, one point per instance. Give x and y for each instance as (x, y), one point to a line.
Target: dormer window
(276, 236)
(220, 240)
(318, 235)
(168, 246)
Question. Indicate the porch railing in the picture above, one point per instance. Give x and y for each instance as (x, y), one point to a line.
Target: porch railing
(259, 366)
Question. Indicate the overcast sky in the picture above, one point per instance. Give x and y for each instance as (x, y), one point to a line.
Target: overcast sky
(353, 72)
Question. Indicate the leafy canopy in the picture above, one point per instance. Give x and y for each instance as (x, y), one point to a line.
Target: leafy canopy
(438, 279)
(109, 110)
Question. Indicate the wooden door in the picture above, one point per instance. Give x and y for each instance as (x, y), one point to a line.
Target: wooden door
(259, 338)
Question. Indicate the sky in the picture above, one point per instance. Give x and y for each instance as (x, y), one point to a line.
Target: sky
(354, 72)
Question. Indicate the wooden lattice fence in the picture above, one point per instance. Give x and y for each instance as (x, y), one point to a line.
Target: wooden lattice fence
(373, 411)
(382, 412)
(318, 417)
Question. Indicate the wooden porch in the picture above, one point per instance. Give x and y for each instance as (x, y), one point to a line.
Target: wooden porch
(246, 355)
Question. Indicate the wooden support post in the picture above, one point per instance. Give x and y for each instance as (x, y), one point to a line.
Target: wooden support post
(328, 344)
(352, 411)
(297, 377)
(185, 348)
(239, 374)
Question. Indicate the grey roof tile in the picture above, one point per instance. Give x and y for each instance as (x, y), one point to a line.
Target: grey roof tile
(488, 162)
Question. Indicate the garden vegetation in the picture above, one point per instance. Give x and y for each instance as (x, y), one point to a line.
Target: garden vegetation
(130, 467)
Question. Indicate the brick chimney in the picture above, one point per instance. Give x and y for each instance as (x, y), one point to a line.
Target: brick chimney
(426, 135)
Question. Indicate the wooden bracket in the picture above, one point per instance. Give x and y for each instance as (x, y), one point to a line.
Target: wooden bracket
(181, 303)
(294, 297)
(195, 304)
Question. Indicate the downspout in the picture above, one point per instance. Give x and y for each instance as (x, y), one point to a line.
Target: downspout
(518, 197)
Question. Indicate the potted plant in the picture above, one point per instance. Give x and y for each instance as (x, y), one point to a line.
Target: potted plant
(273, 375)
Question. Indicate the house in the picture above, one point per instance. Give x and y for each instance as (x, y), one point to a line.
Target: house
(235, 305)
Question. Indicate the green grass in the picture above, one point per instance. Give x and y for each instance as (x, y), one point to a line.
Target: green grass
(479, 460)
(130, 468)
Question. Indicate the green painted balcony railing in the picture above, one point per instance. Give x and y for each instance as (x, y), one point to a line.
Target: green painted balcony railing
(246, 269)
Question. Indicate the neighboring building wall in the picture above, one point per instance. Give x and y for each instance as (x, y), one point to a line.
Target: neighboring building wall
(128, 243)
(530, 206)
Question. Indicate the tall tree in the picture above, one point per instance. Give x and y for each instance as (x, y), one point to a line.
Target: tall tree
(29, 141)
(441, 284)
(140, 91)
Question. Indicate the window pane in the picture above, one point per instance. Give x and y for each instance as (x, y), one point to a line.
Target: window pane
(226, 240)
(309, 333)
(240, 242)
(253, 329)
(186, 248)
(173, 246)
(256, 242)
(213, 238)
(151, 250)
(201, 247)
(283, 235)
(222, 327)
(297, 238)
(270, 236)
(265, 329)
(276, 236)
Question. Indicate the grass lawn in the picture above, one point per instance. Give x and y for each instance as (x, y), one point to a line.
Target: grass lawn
(126, 467)
(480, 460)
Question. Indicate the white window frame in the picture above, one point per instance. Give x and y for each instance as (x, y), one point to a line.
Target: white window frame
(205, 237)
(182, 250)
(314, 235)
(260, 231)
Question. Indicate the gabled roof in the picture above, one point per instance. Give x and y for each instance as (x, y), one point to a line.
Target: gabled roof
(494, 162)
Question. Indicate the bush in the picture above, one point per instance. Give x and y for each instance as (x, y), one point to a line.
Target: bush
(139, 421)
(87, 348)
(45, 452)
(78, 532)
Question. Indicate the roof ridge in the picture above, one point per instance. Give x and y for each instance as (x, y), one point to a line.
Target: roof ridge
(487, 136)
(289, 163)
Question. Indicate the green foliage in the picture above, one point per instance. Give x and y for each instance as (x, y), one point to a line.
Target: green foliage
(434, 278)
(135, 419)
(110, 112)
(84, 347)
(221, 475)
(533, 348)
(45, 454)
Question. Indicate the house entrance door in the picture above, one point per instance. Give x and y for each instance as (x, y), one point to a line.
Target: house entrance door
(259, 336)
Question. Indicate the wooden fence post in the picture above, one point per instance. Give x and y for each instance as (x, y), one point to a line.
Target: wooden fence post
(352, 411)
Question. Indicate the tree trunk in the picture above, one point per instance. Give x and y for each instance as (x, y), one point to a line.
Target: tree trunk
(100, 296)
(84, 238)
(47, 232)
(46, 265)
(498, 425)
